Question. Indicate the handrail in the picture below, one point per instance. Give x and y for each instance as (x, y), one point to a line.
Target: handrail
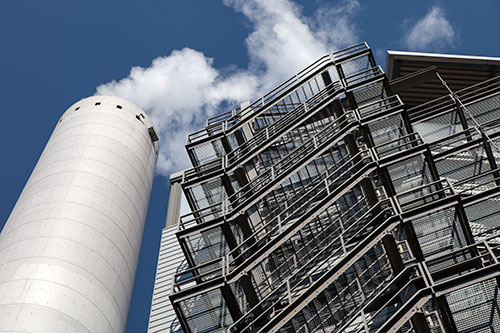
(197, 216)
(474, 185)
(232, 118)
(440, 186)
(364, 74)
(282, 166)
(306, 269)
(279, 221)
(177, 285)
(366, 110)
(342, 54)
(245, 151)
(414, 139)
(239, 153)
(437, 105)
(338, 56)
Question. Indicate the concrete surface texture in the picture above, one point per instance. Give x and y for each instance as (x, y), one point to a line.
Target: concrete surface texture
(70, 247)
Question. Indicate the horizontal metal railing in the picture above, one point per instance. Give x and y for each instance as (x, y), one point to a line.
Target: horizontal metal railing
(421, 195)
(363, 75)
(249, 147)
(453, 140)
(472, 185)
(444, 103)
(301, 279)
(350, 51)
(266, 136)
(399, 144)
(373, 108)
(190, 277)
(281, 222)
(266, 99)
(200, 216)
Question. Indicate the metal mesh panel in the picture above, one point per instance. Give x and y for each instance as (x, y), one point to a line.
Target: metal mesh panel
(369, 93)
(484, 218)
(483, 111)
(462, 168)
(356, 65)
(439, 127)
(409, 174)
(439, 232)
(206, 152)
(387, 129)
(206, 312)
(206, 245)
(475, 308)
(205, 194)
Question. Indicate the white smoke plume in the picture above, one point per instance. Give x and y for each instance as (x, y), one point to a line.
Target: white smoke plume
(432, 31)
(179, 91)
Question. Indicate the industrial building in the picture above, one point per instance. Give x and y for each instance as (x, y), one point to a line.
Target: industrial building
(70, 247)
(344, 200)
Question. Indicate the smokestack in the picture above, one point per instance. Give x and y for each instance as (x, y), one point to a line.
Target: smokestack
(70, 248)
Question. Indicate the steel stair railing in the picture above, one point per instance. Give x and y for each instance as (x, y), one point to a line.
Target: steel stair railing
(273, 176)
(331, 134)
(362, 247)
(381, 290)
(234, 118)
(471, 269)
(324, 260)
(265, 137)
(270, 134)
(306, 152)
(342, 224)
(340, 266)
(284, 225)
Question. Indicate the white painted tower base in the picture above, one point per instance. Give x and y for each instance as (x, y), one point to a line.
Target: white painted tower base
(69, 250)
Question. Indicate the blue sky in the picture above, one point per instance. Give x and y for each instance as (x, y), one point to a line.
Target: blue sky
(191, 59)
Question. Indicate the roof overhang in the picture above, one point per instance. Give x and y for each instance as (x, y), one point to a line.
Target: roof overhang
(393, 56)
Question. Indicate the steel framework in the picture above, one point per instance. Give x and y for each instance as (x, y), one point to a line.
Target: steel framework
(327, 205)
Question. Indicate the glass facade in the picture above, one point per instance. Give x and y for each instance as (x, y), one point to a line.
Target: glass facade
(327, 205)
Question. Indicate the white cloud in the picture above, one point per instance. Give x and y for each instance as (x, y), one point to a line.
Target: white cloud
(432, 31)
(181, 90)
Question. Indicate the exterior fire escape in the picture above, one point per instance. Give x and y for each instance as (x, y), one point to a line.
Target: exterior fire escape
(327, 205)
